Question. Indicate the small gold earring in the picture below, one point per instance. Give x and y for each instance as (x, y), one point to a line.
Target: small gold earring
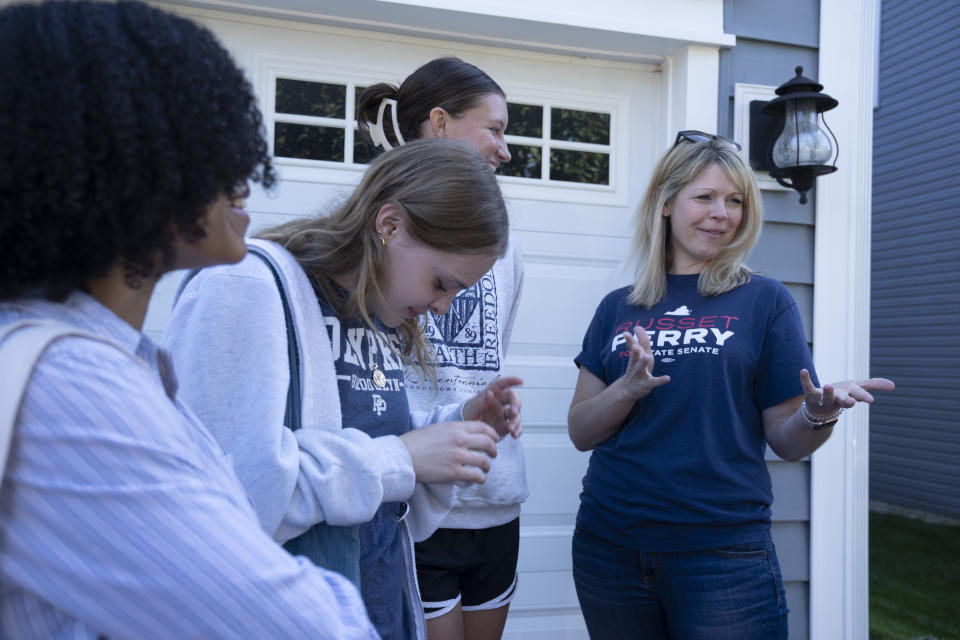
(382, 241)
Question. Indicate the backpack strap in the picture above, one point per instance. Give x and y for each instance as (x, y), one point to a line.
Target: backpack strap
(332, 547)
(291, 416)
(21, 346)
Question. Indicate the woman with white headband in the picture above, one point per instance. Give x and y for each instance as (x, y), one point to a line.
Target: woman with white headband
(468, 569)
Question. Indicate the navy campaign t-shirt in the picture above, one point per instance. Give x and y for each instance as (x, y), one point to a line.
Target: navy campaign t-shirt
(686, 471)
(373, 399)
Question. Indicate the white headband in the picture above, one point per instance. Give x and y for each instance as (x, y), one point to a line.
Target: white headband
(376, 131)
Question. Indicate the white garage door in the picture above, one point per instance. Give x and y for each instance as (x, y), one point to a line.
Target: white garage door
(583, 133)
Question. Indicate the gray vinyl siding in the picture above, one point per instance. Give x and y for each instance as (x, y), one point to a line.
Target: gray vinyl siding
(767, 50)
(914, 435)
(777, 21)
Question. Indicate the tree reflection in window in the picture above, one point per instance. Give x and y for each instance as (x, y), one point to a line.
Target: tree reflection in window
(307, 142)
(311, 122)
(525, 120)
(364, 151)
(299, 97)
(579, 166)
(525, 162)
(547, 143)
(579, 126)
(578, 143)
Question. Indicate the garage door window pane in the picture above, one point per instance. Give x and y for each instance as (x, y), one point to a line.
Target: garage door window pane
(308, 142)
(579, 166)
(525, 120)
(525, 162)
(363, 152)
(356, 100)
(305, 98)
(580, 126)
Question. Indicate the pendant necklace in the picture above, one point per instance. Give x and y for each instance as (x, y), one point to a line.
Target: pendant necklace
(379, 379)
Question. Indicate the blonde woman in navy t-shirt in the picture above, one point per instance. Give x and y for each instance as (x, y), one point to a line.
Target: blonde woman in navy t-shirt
(685, 377)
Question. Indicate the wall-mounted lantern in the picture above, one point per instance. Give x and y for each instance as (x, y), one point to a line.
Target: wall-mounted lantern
(788, 135)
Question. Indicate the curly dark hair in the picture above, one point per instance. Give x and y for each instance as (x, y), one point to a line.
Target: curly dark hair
(119, 125)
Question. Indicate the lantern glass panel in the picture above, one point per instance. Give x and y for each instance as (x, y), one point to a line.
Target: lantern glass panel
(802, 141)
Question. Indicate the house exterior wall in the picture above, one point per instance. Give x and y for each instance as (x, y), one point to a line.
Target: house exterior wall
(768, 48)
(839, 559)
(915, 441)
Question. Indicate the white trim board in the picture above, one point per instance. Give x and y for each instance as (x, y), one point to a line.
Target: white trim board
(613, 29)
(839, 494)
(690, 91)
(743, 94)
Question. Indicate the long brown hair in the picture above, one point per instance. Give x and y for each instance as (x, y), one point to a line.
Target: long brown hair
(448, 83)
(451, 202)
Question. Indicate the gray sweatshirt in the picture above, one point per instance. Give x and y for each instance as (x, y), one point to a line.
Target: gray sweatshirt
(228, 339)
(471, 341)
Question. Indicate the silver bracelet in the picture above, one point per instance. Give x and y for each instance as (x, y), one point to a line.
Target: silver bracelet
(812, 422)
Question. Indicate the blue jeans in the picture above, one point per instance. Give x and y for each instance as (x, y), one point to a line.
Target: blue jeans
(729, 593)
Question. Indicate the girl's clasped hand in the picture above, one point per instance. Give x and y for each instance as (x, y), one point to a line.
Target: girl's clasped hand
(463, 451)
(498, 405)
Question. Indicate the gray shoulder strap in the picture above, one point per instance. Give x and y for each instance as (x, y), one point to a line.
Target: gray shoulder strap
(21, 345)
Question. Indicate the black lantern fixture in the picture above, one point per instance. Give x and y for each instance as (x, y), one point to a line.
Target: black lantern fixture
(802, 150)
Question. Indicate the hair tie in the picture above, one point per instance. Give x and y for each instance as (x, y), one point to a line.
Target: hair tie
(377, 134)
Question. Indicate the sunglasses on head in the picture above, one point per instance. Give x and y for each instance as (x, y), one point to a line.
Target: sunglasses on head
(693, 135)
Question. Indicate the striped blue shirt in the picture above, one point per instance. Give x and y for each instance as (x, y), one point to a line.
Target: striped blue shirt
(121, 517)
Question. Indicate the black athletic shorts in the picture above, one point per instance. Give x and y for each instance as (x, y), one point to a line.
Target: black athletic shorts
(475, 567)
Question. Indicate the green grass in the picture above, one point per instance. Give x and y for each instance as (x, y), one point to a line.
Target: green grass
(914, 579)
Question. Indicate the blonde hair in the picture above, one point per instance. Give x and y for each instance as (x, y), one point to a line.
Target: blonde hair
(451, 202)
(651, 240)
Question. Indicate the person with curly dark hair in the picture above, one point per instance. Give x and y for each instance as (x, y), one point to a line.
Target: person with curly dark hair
(127, 136)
